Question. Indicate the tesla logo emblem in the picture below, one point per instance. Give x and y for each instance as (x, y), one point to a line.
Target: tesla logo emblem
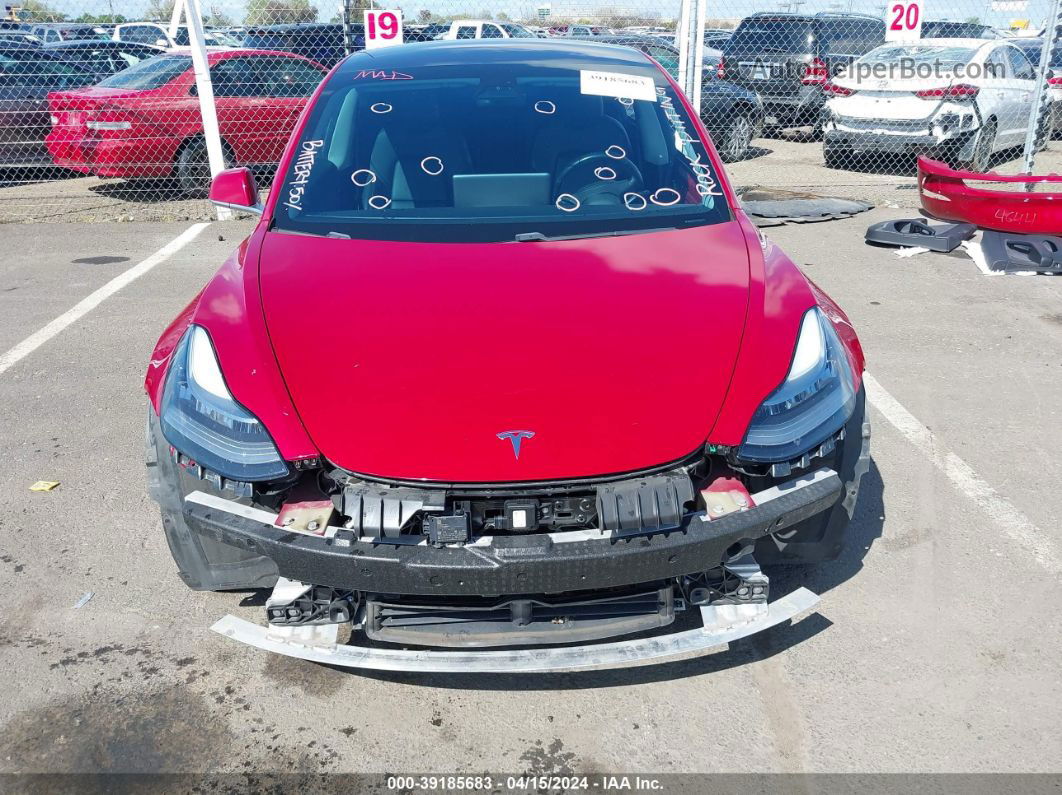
(516, 437)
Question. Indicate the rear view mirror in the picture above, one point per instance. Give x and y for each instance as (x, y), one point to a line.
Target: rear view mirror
(235, 188)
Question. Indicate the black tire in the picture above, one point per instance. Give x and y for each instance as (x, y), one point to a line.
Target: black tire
(981, 156)
(738, 139)
(202, 562)
(192, 167)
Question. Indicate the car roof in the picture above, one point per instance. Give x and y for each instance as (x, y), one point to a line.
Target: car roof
(431, 53)
(93, 44)
(946, 42)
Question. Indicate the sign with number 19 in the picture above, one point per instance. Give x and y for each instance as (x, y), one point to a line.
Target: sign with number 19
(382, 29)
(903, 20)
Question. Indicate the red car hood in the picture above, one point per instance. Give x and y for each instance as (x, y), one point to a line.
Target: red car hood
(407, 360)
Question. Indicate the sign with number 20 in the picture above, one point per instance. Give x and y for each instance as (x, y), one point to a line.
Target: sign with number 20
(382, 29)
(903, 20)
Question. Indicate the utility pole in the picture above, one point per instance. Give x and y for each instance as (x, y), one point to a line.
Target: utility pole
(1038, 117)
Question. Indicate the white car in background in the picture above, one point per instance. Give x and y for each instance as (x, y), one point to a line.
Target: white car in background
(486, 29)
(960, 100)
(158, 35)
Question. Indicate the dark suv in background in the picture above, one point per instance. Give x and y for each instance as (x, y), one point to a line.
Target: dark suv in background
(787, 58)
(321, 42)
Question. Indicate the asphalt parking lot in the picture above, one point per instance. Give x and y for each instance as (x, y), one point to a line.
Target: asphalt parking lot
(935, 648)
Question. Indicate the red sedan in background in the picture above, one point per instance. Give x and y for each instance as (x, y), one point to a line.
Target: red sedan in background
(145, 122)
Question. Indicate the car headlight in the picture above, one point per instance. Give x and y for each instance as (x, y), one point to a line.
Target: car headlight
(813, 403)
(201, 419)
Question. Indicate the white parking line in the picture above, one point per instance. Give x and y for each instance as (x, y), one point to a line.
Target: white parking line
(91, 301)
(962, 476)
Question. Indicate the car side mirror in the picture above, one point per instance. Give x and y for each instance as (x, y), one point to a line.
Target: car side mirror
(235, 188)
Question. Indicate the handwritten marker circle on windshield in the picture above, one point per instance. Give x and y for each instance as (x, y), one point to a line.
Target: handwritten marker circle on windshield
(545, 106)
(629, 199)
(361, 181)
(605, 173)
(380, 107)
(432, 165)
(379, 202)
(568, 203)
(616, 152)
(656, 198)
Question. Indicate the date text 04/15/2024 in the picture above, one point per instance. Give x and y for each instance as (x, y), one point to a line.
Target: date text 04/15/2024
(521, 783)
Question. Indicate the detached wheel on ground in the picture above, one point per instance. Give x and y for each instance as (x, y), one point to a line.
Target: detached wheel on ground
(192, 167)
(738, 139)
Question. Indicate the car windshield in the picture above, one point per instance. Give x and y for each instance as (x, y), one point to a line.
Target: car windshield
(151, 73)
(518, 32)
(759, 34)
(516, 150)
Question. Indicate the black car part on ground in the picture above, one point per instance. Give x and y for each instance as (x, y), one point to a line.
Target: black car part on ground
(917, 232)
(220, 542)
(1010, 252)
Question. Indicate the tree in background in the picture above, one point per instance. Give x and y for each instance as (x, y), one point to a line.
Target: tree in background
(159, 10)
(41, 12)
(102, 19)
(278, 12)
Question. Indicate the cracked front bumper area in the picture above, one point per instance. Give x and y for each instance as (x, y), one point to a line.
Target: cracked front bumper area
(541, 563)
(585, 570)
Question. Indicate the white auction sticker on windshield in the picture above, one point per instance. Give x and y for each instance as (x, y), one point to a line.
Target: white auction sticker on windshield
(617, 84)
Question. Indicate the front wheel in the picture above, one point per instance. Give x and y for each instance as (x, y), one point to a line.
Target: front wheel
(738, 139)
(193, 168)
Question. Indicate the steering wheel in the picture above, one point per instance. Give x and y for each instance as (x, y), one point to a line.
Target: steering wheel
(598, 175)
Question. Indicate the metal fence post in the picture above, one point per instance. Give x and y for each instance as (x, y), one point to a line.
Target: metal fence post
(205, 90)
(689, 35)
(1038, 116)
(690, 40)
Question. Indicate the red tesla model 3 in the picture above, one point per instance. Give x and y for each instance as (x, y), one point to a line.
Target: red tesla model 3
(504, 379)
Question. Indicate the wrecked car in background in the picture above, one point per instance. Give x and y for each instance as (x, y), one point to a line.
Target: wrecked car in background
(503, 368)
(962, 100)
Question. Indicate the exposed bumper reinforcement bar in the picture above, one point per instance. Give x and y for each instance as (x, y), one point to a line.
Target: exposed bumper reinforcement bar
(722, 624)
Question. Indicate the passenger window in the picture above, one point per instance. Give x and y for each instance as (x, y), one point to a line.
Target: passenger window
(491, 32)
(1021, 67)
(237, 77)
(996, 66)
(466, 32)
(288, 77)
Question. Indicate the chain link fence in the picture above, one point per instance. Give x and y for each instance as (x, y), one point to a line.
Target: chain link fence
(115, 112)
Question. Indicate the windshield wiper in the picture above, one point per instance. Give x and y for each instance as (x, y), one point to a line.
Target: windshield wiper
(333, 235)
(538, 237)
